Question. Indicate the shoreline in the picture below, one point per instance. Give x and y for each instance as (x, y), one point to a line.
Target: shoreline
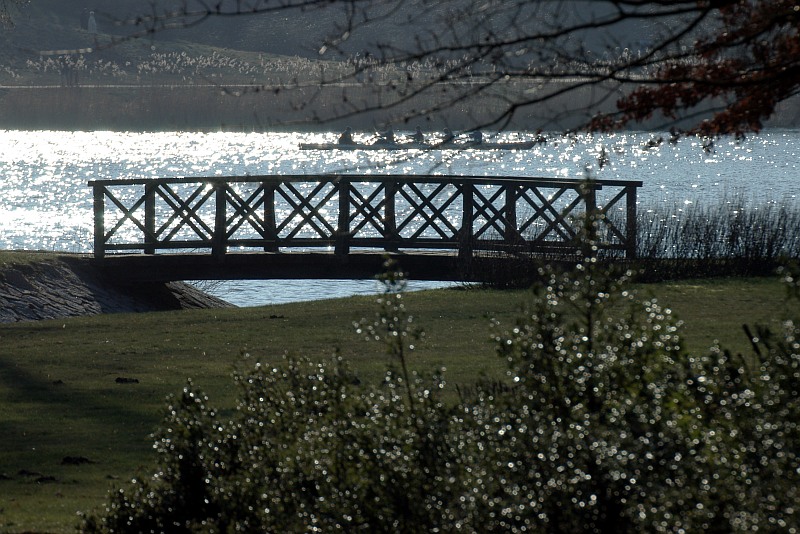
(305, 108)
(69, 285)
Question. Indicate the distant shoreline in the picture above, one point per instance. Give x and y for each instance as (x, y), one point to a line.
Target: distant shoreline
(207, 108)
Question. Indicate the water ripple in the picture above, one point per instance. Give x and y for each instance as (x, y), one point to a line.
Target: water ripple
(45, 202)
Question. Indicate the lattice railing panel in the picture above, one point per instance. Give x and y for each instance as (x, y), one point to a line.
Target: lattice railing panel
(613, 226)
(246, 205)
(183, 212)
(124, 217)
(429, 211)
(489, 220)
(552, 216)
(389, 212)
(367, 210)
(306, 212)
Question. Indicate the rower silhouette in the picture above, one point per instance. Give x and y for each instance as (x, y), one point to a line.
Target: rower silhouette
(346, 138)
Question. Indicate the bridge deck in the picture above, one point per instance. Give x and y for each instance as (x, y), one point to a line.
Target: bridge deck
(357, 265)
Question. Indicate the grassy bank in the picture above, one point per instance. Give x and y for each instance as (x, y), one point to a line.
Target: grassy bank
(71, 429)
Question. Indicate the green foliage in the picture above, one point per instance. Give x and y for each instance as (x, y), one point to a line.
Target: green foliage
(606, 423)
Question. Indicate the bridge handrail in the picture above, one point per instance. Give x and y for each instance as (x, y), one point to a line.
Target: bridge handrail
(435, 178)
(488, 220)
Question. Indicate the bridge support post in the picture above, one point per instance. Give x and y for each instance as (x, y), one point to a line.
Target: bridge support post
(631, 228)
(218, 239)
(390, 217)
(150, 218)
(589, 244)
(270, 228)
(466, 232)
(342, 245)
(510, 232)
(98, 194)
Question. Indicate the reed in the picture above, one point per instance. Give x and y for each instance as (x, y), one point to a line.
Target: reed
(729, 238)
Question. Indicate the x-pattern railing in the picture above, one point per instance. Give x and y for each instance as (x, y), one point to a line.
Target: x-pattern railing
(557, 223)
(610, 225)
(367, 210)
(245, 210)
(184, 211)
(490, 213)
(128, 212)
(306, 213)
(529, 215)
(428, 213)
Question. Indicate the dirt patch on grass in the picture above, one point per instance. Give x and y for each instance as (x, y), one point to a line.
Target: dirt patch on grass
(66, 286)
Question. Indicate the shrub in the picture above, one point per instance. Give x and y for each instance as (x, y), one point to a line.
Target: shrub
(606, 423)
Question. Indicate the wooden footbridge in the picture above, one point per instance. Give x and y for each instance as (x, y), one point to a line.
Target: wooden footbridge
(343, 226)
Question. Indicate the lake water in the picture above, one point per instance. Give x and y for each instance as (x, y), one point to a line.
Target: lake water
(45, 203)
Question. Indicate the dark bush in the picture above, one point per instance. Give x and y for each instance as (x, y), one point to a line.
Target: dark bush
(606, 423)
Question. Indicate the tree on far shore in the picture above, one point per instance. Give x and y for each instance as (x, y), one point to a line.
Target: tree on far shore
(707, 67)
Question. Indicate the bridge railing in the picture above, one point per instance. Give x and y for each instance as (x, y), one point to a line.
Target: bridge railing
(341, 212)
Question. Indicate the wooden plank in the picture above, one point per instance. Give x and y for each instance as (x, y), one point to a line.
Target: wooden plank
(358, 265)
(98, 207)
(270, 229)
(219, 247)
(150, 218)
(391, 236)
(343, 226)
(398, 178)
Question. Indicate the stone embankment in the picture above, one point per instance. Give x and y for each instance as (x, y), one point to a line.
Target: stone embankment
(58, 286)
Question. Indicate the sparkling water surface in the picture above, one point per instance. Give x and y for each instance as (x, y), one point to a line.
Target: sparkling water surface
(46, 204)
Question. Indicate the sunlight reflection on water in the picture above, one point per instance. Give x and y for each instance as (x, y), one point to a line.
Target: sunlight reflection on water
(45, 202)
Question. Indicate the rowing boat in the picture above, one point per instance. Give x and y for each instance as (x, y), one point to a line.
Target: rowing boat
(521, 145)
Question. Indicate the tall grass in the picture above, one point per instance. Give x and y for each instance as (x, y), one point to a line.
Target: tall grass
(731, 237)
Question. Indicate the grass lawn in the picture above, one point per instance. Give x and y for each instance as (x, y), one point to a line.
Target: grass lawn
(60, 398)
